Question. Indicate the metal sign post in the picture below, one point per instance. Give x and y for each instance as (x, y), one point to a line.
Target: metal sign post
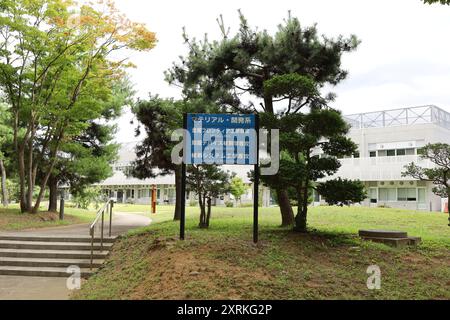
(220, 139)
(183, 182)
(256, 185)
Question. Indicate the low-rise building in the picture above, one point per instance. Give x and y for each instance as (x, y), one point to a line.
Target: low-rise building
(388, 141)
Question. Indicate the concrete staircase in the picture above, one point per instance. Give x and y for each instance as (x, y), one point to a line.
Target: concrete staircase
(50, 256)
(393, 238)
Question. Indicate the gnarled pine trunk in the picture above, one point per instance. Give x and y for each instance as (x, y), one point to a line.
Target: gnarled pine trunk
(287, 214)
(302, 211)
(53, 196)
(208, 214)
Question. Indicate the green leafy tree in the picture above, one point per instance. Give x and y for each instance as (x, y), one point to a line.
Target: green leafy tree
(300, 166)
(208, 182)
(5, 139)
(342, 192)
(241, 66)
(55, 75)
(237, 188)
(87, 196)
(159, 118)
(437, 1)
(439, 155)
(86, 159)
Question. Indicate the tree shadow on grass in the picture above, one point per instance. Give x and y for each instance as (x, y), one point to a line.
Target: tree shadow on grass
(321, 237)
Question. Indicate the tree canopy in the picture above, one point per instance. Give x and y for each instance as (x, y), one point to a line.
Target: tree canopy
(255, 71)
(439, 175)
(57, 77)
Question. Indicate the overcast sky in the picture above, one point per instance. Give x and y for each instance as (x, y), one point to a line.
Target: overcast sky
(403, 60)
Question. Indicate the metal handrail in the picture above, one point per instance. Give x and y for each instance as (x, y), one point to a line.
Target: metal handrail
(100, 213)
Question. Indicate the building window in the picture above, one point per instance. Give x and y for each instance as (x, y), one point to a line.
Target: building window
(373, 154)
(356, 155)
(382, 153)
(373, 195)
(410, 152)
(407, 194)
(421, 195)
(390, 153)
(401, 152)
(387, 194)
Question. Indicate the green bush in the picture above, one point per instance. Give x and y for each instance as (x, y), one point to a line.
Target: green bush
(229, 204)
(88, 196)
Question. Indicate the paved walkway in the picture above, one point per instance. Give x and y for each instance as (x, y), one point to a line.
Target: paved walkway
(31, 288)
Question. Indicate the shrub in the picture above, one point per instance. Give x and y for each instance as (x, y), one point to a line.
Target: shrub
(229, 204)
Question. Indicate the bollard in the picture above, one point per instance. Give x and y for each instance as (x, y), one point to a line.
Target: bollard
(61, 206)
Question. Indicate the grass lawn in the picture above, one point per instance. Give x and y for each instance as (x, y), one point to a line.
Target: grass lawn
(328, 263)
(11, 219)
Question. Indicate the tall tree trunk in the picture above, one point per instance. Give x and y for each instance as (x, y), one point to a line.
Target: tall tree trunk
(53, 196)
(302, 210)
(21, 165)
(4, 190)
(287, 214)
(201, 202)
(178, 195)
(448, 205)
(208, 215)
(29, 175)
(44, 182)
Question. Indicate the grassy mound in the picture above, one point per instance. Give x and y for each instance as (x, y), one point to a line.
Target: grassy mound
(328, 263)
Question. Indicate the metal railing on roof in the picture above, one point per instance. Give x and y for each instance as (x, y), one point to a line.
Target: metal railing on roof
(398, 117)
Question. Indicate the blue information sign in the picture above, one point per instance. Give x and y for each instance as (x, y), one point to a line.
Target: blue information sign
(221, 139)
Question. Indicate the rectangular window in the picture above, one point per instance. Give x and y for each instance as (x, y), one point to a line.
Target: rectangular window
(387, 194)
(412, 194)
(401, 152)
(373, 195)
(407, 194)
(373, 154)
(402, 194)
(356, 155)
(390, 153)
(410, 152)
(421, 194)
(382, 153)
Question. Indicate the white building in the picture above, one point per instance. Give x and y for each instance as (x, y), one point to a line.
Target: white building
(127, 189)
(387, 141)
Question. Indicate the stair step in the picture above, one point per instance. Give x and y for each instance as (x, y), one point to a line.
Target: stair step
(57, 254)
(383, 234)
(42, 272)
(50, 256)
(47, 262)
(395, 242)
(38, 245)
(16, 237)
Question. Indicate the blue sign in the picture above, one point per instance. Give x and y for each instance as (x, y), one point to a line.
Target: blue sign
(221, 139)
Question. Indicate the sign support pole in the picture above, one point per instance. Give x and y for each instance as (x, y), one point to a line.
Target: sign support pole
(256, 184)
(183, 181)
